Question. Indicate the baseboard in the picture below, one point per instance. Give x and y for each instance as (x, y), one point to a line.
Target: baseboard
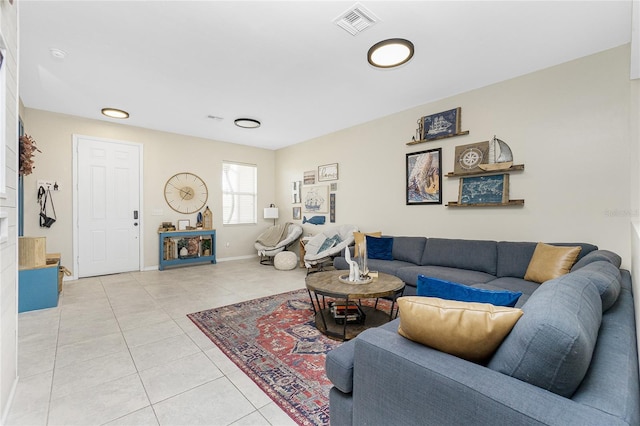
(7, 408)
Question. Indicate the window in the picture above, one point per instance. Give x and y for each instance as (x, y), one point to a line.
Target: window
(239, 193)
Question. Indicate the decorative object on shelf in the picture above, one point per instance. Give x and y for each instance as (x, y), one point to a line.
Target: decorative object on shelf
(186, 193)
(166, 226)
(297, 213)
(332, 208)
(499, 156)
(183, 224)
(310, 177)
(199, 220)
(315, 199)
(207, 219)
(424, 173)
(206, 246)
(271, 212)
(28, 150)
(328, 172)
(442, 125)
(314, 220)
(468, 157)
(295, 192)
(493, 189)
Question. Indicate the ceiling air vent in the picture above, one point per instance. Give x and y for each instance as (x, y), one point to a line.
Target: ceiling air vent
(356, 19)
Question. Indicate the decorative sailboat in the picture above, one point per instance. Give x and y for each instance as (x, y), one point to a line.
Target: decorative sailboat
(499, 156)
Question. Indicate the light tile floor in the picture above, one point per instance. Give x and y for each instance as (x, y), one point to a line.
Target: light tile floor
(119, 350)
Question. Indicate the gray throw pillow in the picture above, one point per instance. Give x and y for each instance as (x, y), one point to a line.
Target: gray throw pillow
(552, 344)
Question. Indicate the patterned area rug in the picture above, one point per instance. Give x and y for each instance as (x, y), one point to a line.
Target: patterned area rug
(275, 342)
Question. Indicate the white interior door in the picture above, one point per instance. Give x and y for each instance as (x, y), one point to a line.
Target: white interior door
(108, 206)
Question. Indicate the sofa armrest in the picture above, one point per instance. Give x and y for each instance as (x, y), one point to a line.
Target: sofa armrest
(596, 256)
(420, 385)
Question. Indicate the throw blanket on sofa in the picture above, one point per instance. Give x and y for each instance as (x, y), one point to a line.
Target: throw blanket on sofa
(272, 236)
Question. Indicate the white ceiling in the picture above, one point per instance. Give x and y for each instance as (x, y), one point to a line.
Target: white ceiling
(173, 63)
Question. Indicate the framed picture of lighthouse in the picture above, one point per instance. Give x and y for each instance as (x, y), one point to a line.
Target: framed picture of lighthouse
(441, 125)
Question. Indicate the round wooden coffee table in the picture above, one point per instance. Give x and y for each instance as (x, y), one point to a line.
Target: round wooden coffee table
(348, 323)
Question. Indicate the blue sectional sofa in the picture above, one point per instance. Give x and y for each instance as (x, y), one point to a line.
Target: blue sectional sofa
(571, 359)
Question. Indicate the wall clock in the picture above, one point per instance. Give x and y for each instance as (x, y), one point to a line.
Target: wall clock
(185, 193)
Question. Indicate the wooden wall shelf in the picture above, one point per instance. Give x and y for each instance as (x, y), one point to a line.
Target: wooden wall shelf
(466, 132)
(514, 168)
(507, 204)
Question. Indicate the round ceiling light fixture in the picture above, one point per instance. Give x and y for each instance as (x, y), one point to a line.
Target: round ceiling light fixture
(115, 113)
(390, 53)
(247, 123)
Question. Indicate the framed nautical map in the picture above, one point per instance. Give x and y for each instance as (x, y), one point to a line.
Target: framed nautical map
(493, 189)
(315, 199)
(424, 174)
(440, 125)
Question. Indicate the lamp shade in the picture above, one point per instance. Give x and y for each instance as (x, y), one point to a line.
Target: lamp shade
(271, 213)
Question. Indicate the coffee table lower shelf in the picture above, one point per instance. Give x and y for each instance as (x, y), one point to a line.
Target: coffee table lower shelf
(327, 325)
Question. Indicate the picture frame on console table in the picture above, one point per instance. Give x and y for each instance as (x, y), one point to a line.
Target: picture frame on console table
(424, 177)
(484, 190)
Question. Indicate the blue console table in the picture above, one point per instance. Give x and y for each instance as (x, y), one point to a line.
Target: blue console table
(169, 255)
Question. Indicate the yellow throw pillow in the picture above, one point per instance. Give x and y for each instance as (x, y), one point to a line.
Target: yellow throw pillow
(468, 330)
(360, 239)
(549, 262)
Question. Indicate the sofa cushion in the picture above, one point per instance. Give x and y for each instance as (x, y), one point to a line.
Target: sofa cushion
(379, 247)
(552, 344)
(463, 276)
(606, 277)
(475, 255)
(409, 249)
(359, 239)
(598, 255)
(434, 287)
(468, 330)
(512, 284)
(514, 257)
(549, 262)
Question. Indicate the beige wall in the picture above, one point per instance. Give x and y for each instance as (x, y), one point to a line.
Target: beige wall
(164, 155)
(569, 126)
(8, 209)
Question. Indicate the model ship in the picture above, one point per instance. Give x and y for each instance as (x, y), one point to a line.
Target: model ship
(499, 156)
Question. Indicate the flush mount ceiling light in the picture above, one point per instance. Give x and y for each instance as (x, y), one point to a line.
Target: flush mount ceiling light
(390, 53)
(247, 123)
(115, 113)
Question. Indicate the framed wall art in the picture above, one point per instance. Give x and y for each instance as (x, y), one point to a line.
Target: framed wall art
(328, 172)
(310, 177)
(315, 199)
(440, 125)
(295, 192)
(297, 213)
(183, 224)
(424, 174)
(476, 190)
(332, 208)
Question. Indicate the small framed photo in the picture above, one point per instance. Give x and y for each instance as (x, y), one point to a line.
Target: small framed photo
(183, 224)
(424, 174)
(309, 177)
(328, 172)
(484, 190)
(297, 213)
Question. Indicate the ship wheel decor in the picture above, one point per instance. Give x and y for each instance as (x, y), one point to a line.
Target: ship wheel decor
(444, 124)
(186, 193)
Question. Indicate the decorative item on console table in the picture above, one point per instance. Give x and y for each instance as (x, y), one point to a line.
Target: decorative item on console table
(207, 218)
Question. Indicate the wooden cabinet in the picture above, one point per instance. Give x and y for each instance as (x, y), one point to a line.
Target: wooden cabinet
(199, 246)
(38, 286)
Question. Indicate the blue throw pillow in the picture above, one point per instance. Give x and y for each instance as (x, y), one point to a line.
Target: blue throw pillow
(434, 287)
(327, 244)
(379, 248)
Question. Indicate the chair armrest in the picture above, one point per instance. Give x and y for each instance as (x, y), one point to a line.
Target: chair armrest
(411, 383)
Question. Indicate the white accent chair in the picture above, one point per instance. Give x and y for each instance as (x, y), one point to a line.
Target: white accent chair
(267, 253)
(316, 258)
